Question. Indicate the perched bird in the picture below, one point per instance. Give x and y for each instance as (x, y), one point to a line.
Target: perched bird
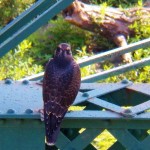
(61, 84)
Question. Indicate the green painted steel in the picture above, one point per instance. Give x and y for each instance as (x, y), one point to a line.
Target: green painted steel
(21, 135)
(35, 77)
(104, 105)
(117, 70)
(118, 51)
(86, 137)
(104, 74)
(27, 134)
(27, 16)
(32, 26)
(104, 56)
(82, 97)
(21, 128)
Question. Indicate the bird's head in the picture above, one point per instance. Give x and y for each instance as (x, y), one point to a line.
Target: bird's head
(63, 53)
(63, 50)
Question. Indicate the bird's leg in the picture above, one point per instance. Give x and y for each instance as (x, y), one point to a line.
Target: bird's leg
(120, 40)
(41, 112)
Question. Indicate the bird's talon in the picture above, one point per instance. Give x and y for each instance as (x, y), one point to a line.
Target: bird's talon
(41, 112)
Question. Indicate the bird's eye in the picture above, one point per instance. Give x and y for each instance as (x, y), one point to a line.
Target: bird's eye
(68, 52)
(58, 50)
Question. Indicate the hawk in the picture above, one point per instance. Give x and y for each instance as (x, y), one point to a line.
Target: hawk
(61, 84)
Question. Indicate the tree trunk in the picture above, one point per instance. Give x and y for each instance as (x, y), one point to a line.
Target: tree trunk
(112, 23)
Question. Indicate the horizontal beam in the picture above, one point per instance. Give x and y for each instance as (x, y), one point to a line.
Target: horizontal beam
(83, 115)
(87, 119)
(106, 55)
(35, 77)
(115, 52)
(104, 74)
(116, 71)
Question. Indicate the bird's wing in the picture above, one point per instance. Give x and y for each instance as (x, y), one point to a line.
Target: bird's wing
(70, 85)
(59, 91)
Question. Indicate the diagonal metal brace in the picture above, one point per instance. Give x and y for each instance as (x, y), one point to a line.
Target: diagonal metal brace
(129, 113)
(82, 97)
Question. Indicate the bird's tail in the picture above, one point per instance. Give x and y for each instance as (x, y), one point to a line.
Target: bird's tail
(51, 139)
(52, 126)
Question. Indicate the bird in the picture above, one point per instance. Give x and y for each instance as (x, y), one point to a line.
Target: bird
(61, 83)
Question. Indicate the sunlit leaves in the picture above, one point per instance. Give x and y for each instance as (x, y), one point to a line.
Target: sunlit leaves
(18, 63)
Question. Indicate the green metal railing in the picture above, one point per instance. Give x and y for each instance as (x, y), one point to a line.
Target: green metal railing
(29, 21)
(21, 128)
(107, 55)
(103, 105)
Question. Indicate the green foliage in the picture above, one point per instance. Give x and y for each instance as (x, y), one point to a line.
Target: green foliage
(17, 63)
(81, 55)
(138, 75)
(104, 141)
(9, 9)
(114, 3)
(55, 32)
(45, 40)
(141, 27)
(142, 31)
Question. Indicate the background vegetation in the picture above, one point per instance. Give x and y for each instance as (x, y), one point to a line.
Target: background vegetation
(30, 56)
(9, 9)
(33, 53)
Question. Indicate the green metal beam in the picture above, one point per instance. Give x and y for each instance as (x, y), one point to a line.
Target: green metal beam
(22, 135)
(24, 18)
(126, 139)
(146, 142)
(85, 119)
(116, 71)
(84, 115)
(20, 122)
(62, 141)
(106, 55)
(86, 137)
(118, 51)
(81, 97)
(31, 27)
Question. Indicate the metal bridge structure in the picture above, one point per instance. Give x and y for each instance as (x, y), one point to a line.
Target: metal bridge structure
(120, 108)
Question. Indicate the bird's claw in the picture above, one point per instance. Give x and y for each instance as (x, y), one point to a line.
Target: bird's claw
(41, 112)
